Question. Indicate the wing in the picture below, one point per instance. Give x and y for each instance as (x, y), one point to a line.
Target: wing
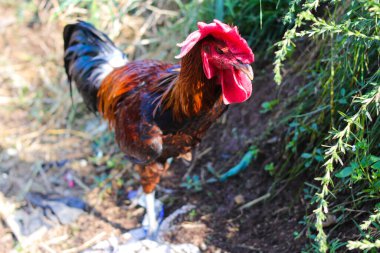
(127, 99)
(138, 137)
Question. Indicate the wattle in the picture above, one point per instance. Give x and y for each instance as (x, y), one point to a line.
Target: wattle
(236, 86)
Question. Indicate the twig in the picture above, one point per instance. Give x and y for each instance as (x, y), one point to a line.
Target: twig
(46, 247)
(162, 11)
(194, 160)
(280, 210)
(32, 135)
(204, 152)
(87, 244)
(44, 177)
(244, 246)
(166, 223)
(255, 201)
(69, 131)
(57, 240)
(80, 183)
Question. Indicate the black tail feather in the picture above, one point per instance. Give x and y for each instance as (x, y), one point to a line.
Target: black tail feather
(89, 56)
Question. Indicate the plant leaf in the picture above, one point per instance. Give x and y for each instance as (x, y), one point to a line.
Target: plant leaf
(347, 171)
(376, 165)
(306, 155)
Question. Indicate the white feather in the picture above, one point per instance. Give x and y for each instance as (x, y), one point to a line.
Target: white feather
(115, 59)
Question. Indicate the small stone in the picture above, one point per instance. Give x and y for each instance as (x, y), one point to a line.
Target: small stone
(330, 220)
(249, 183)
(11, 151)
(83, 163)
(239, 199)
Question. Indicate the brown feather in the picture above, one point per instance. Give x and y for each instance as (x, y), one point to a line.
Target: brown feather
(123, 80)
(193, 92)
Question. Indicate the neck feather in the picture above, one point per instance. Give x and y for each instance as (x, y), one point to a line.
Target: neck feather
(192, 92)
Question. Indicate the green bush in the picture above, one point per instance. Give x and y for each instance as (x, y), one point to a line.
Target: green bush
(260, 22)
(336, 112)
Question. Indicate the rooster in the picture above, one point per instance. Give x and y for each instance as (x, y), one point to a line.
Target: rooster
(159, 110)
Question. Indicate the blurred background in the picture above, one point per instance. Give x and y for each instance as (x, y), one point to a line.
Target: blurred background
(310, 181)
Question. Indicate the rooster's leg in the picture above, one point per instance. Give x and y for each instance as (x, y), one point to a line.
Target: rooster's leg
(151, 214)
(150, 176)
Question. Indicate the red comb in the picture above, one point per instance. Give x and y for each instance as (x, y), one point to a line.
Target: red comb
(230, 35)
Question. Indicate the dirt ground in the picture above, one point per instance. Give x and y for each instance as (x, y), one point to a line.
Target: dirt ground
(35, 142)
(269, 225)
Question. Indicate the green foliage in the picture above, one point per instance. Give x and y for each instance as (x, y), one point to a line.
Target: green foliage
(260, 22)
(174, 20)
(363, 245)
(253, 17)
(270, 168)
(192, 214)
(268, 105)
(370, 242)
(337, 109)
(192, 183)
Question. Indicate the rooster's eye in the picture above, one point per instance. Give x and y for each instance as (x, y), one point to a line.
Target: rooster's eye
(218, 50)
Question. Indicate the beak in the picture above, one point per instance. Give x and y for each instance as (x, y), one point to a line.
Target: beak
(246, 69)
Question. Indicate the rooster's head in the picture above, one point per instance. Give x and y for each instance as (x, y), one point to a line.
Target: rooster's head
(226, 56)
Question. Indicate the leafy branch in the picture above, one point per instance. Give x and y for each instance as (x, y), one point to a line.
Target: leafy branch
(333, 155)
